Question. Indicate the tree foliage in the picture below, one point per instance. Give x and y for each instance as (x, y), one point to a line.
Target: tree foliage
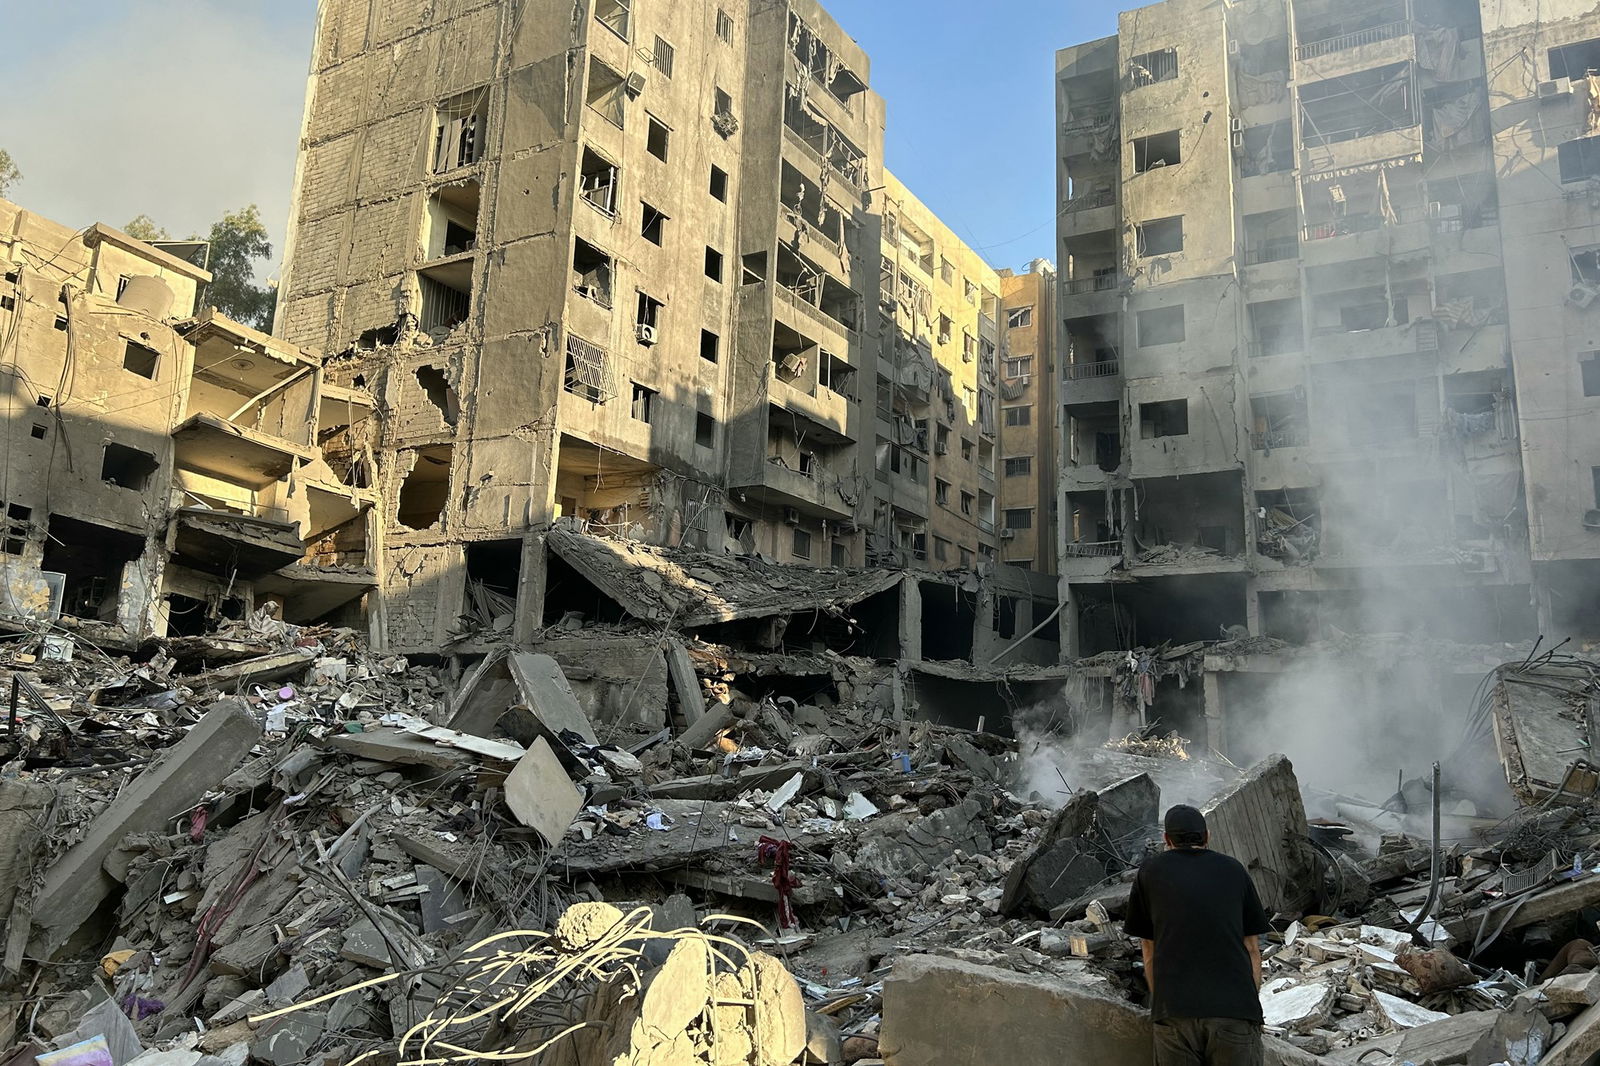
(10, 173)
(238, 239)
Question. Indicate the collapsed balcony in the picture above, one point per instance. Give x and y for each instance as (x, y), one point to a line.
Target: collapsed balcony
(816, 292)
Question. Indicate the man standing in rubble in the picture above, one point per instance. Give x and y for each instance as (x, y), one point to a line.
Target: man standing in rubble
(1198, 920)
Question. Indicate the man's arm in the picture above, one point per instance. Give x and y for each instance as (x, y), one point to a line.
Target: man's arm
(1252, 944)
(1148, 948)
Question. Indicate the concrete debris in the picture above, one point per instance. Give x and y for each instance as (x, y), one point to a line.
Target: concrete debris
(214, 857)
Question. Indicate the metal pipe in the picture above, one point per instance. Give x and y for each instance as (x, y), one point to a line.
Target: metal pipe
(1433, 876)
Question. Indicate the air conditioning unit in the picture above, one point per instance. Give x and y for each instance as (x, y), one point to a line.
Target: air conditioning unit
(1554, 90)
(1008, 534)
(647, 333)
(941, 448)
(1236, 124)
(1581, 295)
(1238, 139)
(635, 84)
(791, 515)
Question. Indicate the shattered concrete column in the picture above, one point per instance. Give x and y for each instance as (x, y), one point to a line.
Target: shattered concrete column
(1215, 725)
(79, 882)
(1252, 606)
(910, 620)
(531, 588)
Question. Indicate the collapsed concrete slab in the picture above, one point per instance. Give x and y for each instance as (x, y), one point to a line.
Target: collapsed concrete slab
(541, 795)
(1260, 820)
(947, 1012)
(76, 885)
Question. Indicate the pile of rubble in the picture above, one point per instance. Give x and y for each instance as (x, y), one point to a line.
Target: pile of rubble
(272, 846)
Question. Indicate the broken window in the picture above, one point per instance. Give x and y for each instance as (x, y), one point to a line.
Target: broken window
(598, 181)
(969, 347)
(1147, 68)
(941, 492)
(1575, 60)
(591, 272)
(1019, 416)
(719, 184)
(967, 500)
(452, 220)
(662, 57)
(647, 319)
(458, 130)
(92, 558)
(1579, 159)
(1279, 420)
(1019, 317)
(966, 449)
(724, 26)
(705, 430)
(437, 388)
(652, 223)
(445, 296)
(965, 557)
(1589, 366)
(709, 343)
(644, 399)
(127, 468)
(614, 15)
(1270, 56)
(713, 264)
(1276, 325)
(425, 489)
(947, 271)
(1161, 236)
(1156, 150)
(607, 91)
(586, 370)
(941, 549)
(801, 543)
(39, 431)
(1266, 149)
(1160, 325)
(754, 268)
(140, 359)
(1018, 367)
(1019, 466)
(496, 565)
(1356, 105)
(722, 119)
(15, 536)
(1019, 517)
(1163, 418)
(655, 141)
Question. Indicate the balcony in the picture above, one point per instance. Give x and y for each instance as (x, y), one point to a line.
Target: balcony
(834, 415)
(1110, 281)
(236, 454)
(1097, 549)
(1106, 197)
(1090, 117)
(1347, 41)
(1275, 250)
(1108, 368)
(815, 493)
(1364, 237)
(1336, 345)
(1272, 440)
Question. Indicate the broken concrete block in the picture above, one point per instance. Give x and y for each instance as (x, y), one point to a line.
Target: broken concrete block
(541, 795)
(945, 1012)
(286, 1041)
(1576, 989)
(1130, 813)
(1073, 822)
(1402, 1013)
(364, 944)
(77, 883)
(289, 986)
(1260, 820)
(685, 683)
(857, 808)
(547, 695)
(929, 840)
(1294, 1006)
(1445, 1042)
(1580, 1043)
(106, 1021)
(822, 1040)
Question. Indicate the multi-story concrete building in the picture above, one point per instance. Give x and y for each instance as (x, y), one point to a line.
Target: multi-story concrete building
(937, 395)
(163, 470)
(1290, 390)
(1030, 438)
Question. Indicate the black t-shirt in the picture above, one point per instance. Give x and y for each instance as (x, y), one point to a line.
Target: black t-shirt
(1198, 906)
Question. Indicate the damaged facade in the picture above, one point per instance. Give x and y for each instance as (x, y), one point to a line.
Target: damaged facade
(1313, 259)
(612, 267)
(1029, 443)
(166, 469)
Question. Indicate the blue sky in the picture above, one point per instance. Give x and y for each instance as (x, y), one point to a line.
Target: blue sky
(184, 109)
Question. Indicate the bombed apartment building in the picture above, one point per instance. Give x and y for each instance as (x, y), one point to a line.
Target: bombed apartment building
(1296, 399)
(164, 469)
(622, 272)
(1029, 430)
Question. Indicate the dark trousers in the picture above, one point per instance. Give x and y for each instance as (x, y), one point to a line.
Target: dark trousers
(1207, 1042)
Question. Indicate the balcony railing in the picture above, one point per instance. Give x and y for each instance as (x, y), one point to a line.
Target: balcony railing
(1107, 282)
(1108, 368)
(1095, 116)
(1343, 227)
(1286, 345)
(1275, 250)
(1345, 41)
(1280, 438)
(1093, 549)
(1091, 200)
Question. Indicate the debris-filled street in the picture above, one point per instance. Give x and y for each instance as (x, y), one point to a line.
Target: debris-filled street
(271, 845)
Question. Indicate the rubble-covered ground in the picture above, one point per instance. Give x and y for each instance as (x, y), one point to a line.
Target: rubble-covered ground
(272, 846)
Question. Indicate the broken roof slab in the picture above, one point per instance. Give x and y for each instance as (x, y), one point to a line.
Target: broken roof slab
(234, 356)
(218, 541)
(217, 448)
(691, 588)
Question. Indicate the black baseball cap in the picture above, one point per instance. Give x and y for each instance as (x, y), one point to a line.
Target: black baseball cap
(1184, 822)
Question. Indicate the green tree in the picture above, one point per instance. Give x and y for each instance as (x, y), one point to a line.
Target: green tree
(10, 174)
(144, 228)
(238, 239)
